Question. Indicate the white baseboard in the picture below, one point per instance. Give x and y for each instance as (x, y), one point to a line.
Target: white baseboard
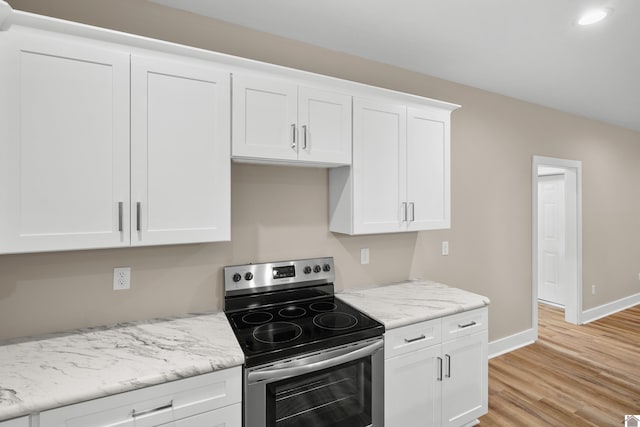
(512, 342)
(610, 308)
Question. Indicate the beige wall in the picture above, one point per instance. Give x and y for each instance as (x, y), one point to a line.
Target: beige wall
(493, 141)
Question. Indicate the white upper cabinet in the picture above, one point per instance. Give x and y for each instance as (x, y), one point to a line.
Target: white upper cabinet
(379, 152)
(180, 166)
(428, 169)
(278, 121)
(100, 149)
(400, 177)
(64, 143)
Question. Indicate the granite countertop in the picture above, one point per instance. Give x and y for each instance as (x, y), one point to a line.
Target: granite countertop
(50, 371)
(413, 301)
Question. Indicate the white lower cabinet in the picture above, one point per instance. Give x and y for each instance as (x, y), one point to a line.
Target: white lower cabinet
(436, 371)
(205, 400)
(16, 422)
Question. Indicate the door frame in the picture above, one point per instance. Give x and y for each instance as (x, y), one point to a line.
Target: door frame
(573, 168)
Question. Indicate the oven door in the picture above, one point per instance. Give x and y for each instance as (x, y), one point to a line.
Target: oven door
(339, 387)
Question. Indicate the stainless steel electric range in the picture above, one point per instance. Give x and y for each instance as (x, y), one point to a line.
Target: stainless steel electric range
(311, 359)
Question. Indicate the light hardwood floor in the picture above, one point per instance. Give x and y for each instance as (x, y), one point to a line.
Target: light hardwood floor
(585, 375)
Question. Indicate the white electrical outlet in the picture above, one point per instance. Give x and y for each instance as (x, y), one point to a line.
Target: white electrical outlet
(121, 278)
(445, 248)
(593, 289)
(364, 256)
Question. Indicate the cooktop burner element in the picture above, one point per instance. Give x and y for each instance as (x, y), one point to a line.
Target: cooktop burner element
(277, 332)
(335, 321)
(292, 312)
(257, 317)
(323, 306)
(280, 310)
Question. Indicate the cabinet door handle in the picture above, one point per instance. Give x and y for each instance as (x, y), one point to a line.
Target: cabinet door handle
(149, 411)
(413, 211)
(466, 325)
(294, 144)
(439, 369)
(138, 216)
(448, 365)
(304, 137)
(120, 225)
(404, 211)
(410, 340)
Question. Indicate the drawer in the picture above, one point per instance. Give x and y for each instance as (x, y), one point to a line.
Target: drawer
(467, 323)
(154, 405)
(412, 337)
(229, 416)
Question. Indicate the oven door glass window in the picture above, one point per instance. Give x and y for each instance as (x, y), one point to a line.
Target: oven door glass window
(339, 396)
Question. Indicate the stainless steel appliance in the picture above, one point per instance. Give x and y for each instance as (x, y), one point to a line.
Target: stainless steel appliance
(311, 359)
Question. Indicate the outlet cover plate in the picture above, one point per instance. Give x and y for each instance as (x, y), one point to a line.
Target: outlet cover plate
(121, 278)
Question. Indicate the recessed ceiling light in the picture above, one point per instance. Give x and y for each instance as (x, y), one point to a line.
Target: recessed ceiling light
(593, 16)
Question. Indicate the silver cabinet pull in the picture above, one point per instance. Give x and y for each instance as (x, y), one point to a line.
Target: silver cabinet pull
(149, 411)
(466, 325)
(304, 137)
(448, 365)
(413, 211)
(120, 225)
(409, 340)
(294, 144)
(404, 211)
(439, 368)
(138, 216)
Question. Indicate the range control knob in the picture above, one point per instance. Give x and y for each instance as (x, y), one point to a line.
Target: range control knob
(237, 277)
(326, 267)
(316, 268)
(248, 276)
(307, 269)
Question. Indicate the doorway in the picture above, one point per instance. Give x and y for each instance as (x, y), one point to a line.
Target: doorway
(557, 236)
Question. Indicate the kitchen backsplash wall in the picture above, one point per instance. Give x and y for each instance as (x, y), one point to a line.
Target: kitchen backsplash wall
(277, 213)
(493, 141)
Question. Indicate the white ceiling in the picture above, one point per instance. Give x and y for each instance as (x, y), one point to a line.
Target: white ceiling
(527, 49)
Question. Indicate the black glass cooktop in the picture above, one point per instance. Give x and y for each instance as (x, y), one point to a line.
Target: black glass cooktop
(295, 327)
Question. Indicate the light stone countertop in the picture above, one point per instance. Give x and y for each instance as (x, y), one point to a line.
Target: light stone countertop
(50, 371)
(413, 301)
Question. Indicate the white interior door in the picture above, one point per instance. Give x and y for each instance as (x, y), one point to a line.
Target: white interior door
(551, 238)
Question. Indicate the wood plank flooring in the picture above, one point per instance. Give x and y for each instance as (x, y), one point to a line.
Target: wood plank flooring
(585, 375)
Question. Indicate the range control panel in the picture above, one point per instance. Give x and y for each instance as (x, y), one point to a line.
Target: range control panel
(252, 277)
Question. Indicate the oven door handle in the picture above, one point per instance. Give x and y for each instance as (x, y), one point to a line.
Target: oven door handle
(334, 358)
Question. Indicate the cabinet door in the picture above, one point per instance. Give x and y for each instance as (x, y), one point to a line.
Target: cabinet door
(324, 120)
(65, 143)
(465, 385)
(379, 136)
(412, 389)
(264, 118)
(428, 169)
(180, 135)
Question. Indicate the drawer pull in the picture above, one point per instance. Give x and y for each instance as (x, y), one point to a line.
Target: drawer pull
(149, 411)
(466, 325)
(409, 340)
